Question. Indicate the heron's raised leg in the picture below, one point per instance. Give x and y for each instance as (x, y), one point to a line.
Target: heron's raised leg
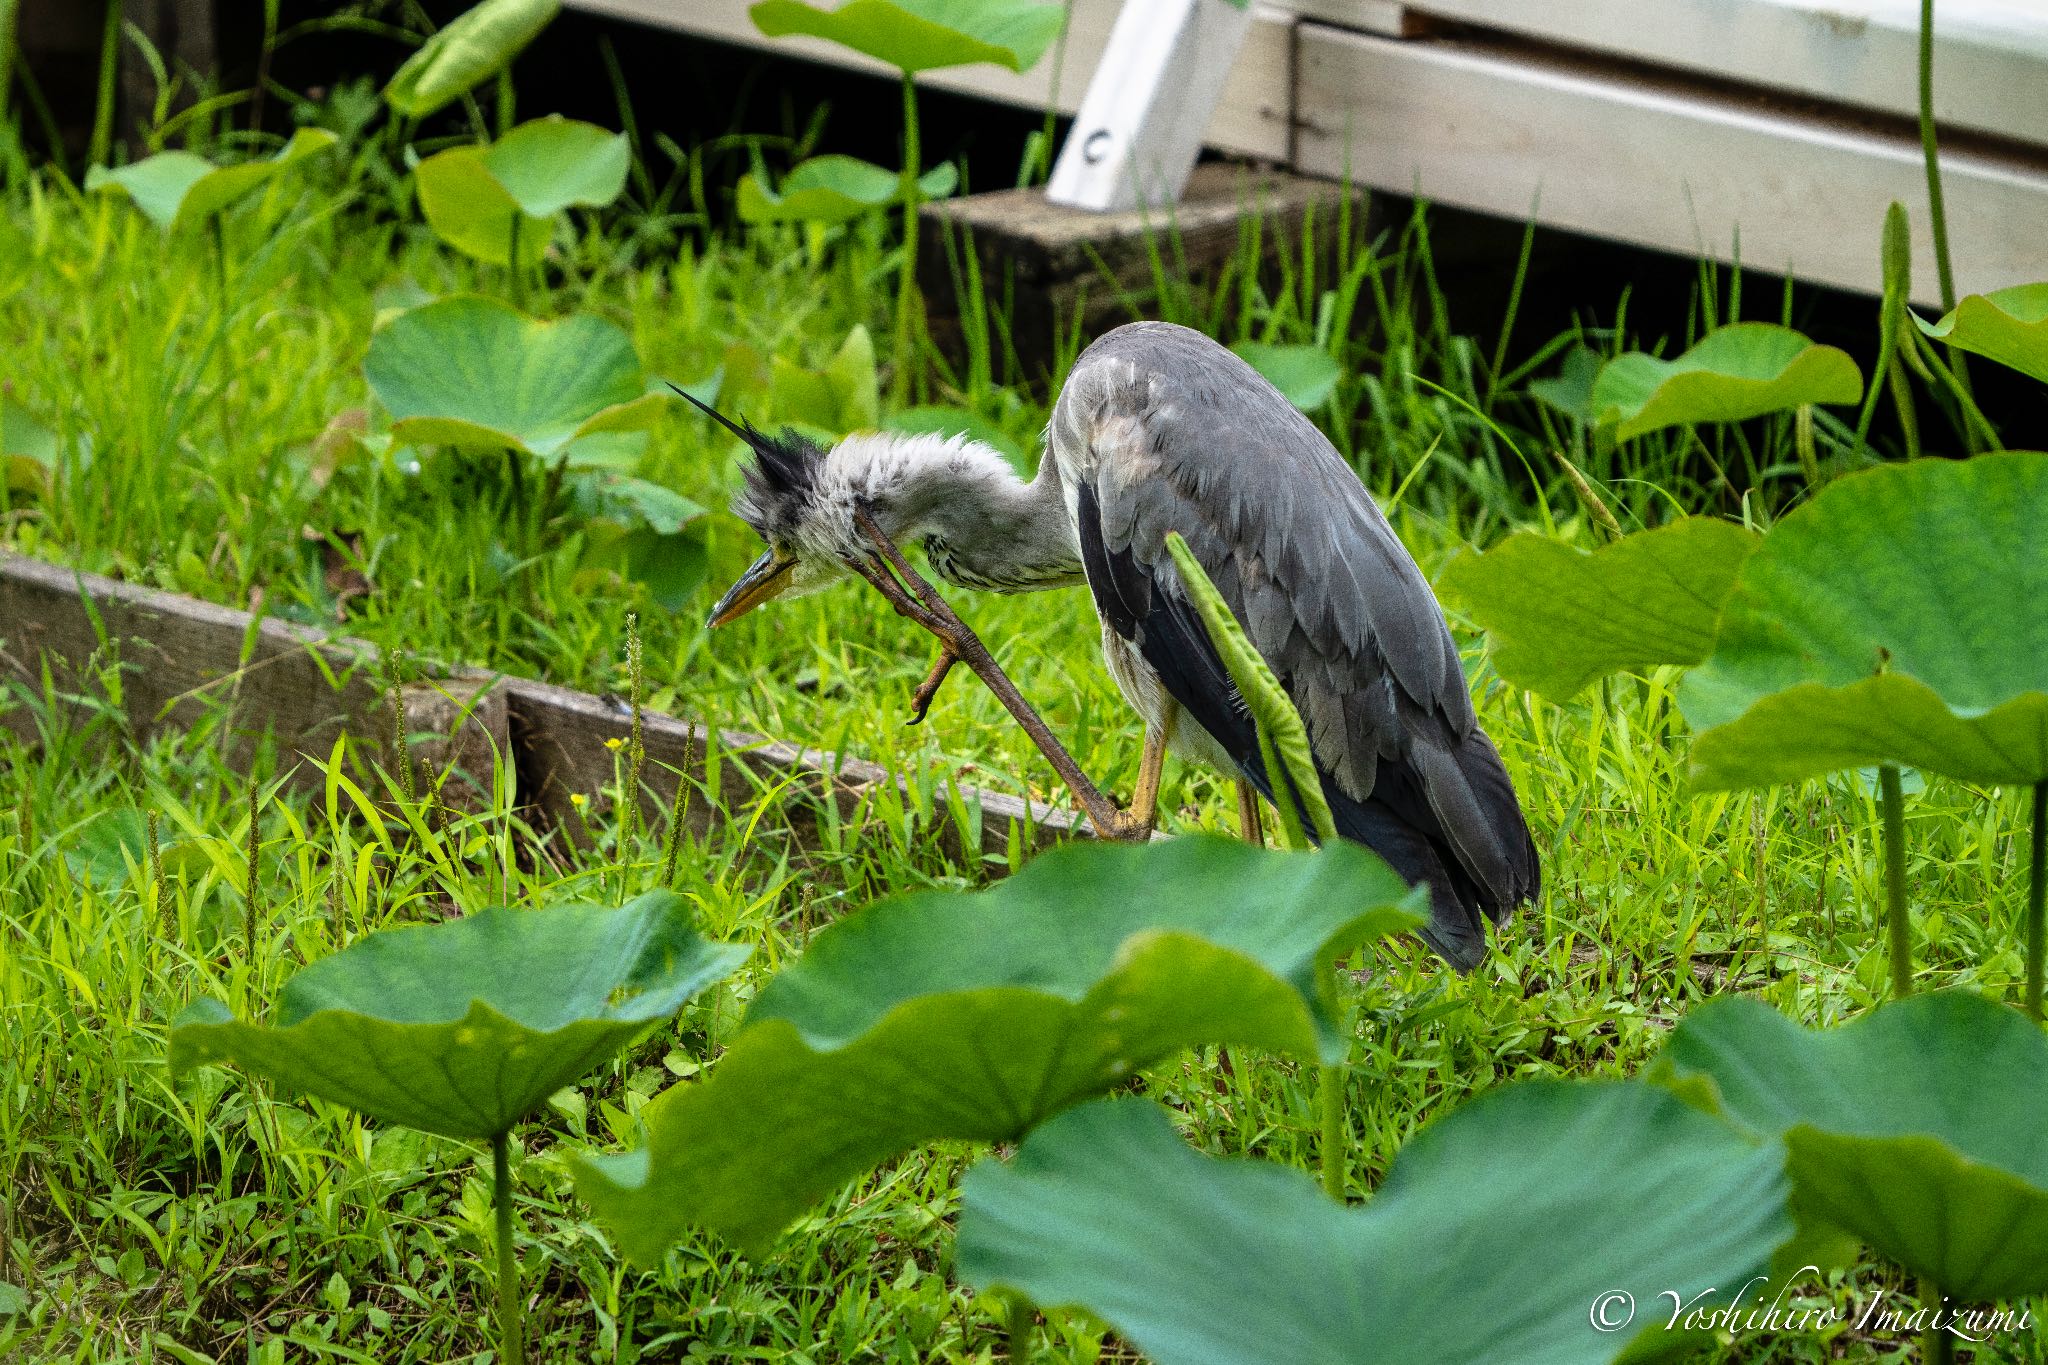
(1248, 814)
(960, 644)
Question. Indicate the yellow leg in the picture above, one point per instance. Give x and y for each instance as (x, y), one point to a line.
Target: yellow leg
(1248, 814)
(1144, 812)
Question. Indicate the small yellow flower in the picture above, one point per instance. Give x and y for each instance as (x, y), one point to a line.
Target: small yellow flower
(578, 800)
(615, 744)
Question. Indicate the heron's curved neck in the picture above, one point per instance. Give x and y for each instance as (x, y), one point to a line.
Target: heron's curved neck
(981, 525)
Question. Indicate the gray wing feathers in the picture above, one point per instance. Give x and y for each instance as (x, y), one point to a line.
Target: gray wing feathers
(1178, 434)
(1324, 588)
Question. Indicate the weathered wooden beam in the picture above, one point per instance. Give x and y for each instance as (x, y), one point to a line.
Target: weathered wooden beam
(1049, 263)
(1660, 160)
(169, 661)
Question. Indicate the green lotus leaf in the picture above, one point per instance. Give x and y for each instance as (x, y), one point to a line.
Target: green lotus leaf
(1305, 375)
(1741, 371)
(1895, 618)
(843, 396)
(463, 1028)
(553, 163)
(23, 435)
(921, 35)
(473, 371)
(1570, 391)
(836, 189)
(471, 49)
(28, 451)
(1561, 617)
(2009, 326)
(944, 1015)
(470, 210)
(158, 184)
(177, 189)
(1915, 1127)
(1502, 1233)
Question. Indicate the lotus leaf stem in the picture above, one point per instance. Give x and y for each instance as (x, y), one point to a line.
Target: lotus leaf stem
(511, 1331)
(1932, 154)
(913, 155)
(1333, 1131)
(1937, 1344)
(1017, 1329)
(2037, 903)
(102, 145)
(1900, 926)
(517, 286)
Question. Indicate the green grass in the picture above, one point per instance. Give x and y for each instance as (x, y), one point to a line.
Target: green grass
(151, 1224)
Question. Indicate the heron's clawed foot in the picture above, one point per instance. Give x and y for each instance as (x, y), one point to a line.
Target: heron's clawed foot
(1125, 826)
(921, 700)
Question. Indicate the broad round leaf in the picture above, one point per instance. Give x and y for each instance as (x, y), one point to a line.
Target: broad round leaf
(177, 189)
(553, 163)
(158, 184)
(28, 451)
(463, 1028)
(836, 189)
(220, 188)
(1916, 1127)
(470, 210)
(1561, 617)
(2009, 326)
(1899, 617)
(1741, 371)
(1503, 1232)
(470, 49)
(472, 371)
(1305, 375)
(942, 1015)
(921, 35)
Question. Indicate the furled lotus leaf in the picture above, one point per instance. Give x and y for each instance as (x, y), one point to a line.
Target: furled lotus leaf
(471, 49)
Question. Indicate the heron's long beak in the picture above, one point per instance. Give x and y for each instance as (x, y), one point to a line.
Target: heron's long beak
(765, 580)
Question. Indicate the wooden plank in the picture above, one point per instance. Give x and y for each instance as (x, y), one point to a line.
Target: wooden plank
(1663, 163)
(1991, 56)
(1051, 262)
(1139, 128)
(1250, 120)
(174, 662)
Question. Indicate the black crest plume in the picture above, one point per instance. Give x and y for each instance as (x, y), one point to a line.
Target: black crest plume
(781, 477)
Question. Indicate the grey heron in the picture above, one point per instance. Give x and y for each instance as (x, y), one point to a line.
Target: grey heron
(1157, 429)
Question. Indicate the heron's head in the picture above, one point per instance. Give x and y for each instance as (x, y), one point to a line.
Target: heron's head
(797, 496)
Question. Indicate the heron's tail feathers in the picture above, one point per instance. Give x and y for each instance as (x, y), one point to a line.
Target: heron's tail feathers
(1455, 931)
(1480, 818)
(1448, 819)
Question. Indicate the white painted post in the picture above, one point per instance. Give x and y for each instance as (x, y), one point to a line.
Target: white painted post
(1140, 125)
